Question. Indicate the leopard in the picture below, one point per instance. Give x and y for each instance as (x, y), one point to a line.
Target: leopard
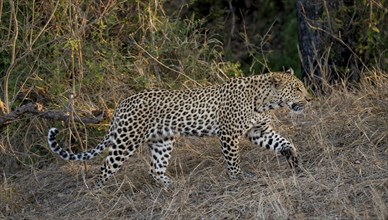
(239, 107)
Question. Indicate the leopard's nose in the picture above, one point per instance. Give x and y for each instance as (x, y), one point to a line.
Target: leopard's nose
(308, 98)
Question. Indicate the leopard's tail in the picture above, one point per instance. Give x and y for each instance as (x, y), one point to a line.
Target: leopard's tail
(66, 155)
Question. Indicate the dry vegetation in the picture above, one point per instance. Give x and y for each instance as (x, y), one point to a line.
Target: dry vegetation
(342, 140)
(103, 51)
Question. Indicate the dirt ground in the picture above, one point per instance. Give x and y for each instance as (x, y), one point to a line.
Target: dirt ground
(342, 140)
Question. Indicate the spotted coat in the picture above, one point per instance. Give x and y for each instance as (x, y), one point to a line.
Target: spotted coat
(229, 111)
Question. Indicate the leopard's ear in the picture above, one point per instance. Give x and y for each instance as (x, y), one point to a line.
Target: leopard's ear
(276, 80)
(290, 71)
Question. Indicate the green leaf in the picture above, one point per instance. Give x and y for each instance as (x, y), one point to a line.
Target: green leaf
(375, 29)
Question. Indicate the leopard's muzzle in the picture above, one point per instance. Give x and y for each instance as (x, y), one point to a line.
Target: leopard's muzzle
(297, 107)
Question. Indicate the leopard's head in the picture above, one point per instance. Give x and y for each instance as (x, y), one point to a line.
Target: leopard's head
(289, 91)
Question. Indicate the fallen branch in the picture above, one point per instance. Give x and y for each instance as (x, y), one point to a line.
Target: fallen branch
(37, 109)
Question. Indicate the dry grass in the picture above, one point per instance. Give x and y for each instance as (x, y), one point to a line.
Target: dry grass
(342, 140)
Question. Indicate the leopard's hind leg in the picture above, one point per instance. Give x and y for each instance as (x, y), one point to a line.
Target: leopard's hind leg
(121, 150)
(160, 155)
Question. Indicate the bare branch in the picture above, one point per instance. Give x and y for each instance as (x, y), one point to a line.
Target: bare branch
(37, 109)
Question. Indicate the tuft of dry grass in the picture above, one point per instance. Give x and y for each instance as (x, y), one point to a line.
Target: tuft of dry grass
(342, 140)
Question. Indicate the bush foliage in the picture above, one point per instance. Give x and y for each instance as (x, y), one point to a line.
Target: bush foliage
(83, 57)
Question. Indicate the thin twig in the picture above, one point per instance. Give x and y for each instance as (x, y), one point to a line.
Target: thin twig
(13, 57)
(45, 26)
(176, 71)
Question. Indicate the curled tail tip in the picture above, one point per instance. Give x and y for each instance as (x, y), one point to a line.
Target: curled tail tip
(53, 131)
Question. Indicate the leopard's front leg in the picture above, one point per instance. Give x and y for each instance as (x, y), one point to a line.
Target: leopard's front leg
(263, 135)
